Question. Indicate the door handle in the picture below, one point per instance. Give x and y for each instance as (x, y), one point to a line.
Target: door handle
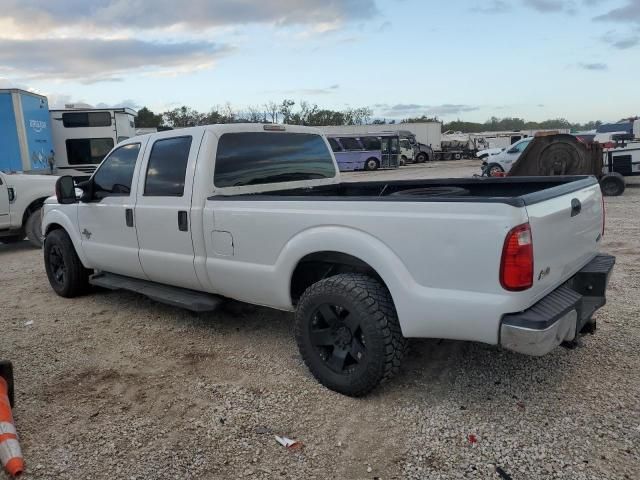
(128, 215)
(576, 207)
(183, 221)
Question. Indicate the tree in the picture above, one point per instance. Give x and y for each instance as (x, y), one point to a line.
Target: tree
(272, 109)
(184, 117)
(147, 119)
(286, 110)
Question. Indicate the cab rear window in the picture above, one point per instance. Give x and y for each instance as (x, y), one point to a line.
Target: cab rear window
(253, 158)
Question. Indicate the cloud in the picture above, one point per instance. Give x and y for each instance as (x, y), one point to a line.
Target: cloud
(496, 6)
(150, 14)
(622, 43)
(629, 13)
(404, 109)
(128, 103)
(551, 6)
(307, 91)
(595, 67)
(98, 60)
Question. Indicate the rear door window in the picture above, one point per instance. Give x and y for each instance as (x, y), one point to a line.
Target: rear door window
(252, 158)
(167, 167)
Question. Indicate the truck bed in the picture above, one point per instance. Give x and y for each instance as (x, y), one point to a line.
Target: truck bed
(517, 191)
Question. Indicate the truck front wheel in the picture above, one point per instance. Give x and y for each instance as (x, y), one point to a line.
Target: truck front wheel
(33, 228)
(348, 333)
(66, 274)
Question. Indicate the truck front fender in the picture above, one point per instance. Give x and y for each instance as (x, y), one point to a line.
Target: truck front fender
(53, 219)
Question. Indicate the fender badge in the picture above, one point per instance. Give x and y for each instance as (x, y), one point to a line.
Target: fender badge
(86, 233)
(544, 273)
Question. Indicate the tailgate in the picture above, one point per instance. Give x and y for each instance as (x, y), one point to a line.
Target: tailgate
(566, 232)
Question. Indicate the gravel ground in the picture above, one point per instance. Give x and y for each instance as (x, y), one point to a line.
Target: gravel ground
(113, 385)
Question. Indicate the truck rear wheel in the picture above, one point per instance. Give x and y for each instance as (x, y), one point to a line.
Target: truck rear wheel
(33, 228)
(421, 157)
(66, 274)
(612, 184)
(348, 333)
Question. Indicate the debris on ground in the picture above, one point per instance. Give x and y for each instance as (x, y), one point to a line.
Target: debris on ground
(288, 443)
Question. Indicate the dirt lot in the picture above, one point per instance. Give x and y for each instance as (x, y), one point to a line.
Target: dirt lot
(113, 385)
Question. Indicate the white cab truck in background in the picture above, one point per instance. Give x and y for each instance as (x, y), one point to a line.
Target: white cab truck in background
(258, 213)
(21, 200)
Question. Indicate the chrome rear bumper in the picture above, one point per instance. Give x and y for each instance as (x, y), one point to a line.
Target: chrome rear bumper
(561, 315)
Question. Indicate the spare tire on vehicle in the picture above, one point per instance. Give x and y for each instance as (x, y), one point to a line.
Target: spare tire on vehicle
(432, 192)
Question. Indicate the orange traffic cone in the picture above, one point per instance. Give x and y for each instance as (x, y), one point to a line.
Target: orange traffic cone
(10, 453)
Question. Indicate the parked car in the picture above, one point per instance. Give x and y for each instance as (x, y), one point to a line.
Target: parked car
(483, 154)
(258, 213)
(501, 163)
(21, 200)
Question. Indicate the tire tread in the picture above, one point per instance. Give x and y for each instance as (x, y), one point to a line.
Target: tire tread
(374, 302)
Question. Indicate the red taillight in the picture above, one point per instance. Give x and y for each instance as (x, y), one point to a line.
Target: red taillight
(516, 267)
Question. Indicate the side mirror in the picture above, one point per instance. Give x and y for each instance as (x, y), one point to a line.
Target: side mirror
(66, 190)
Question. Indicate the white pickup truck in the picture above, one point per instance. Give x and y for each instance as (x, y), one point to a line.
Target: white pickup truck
(21, 200)
(258, 213)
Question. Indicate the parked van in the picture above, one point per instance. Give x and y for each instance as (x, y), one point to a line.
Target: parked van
(83, 136)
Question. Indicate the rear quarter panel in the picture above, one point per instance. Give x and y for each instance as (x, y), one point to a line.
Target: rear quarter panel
(439, 260)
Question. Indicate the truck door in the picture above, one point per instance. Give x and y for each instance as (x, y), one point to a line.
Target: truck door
(4, 205)
(106, 221)
(163, 210)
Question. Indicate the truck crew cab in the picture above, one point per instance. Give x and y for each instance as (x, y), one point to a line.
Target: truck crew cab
(258, 213)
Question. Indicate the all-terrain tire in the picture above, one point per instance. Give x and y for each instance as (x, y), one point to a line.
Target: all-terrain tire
(33, 228)
(66, 274)
(369, 303)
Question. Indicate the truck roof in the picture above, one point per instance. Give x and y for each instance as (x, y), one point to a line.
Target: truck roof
(221, 128)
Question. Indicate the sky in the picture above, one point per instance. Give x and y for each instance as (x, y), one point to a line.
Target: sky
(469, 60)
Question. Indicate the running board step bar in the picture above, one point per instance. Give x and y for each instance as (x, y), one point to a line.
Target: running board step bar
(174, 296)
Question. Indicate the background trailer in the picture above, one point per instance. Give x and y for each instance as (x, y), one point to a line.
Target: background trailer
(25, 132)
